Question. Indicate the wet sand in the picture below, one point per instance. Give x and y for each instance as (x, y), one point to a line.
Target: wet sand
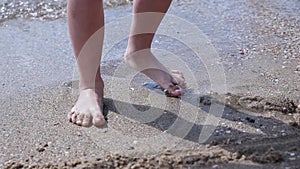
(258, 46)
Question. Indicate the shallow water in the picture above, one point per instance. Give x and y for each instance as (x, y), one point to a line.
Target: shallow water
(41, 9)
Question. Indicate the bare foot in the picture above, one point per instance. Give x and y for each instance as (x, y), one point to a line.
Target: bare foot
(145, 62)
(179, 78)
(88, 108)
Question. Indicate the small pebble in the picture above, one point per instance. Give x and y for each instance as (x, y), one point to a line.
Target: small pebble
(79, 134)
(239, 142)
(40, 149)
(130, 148)
(250, 120)
(215, 166)
(227, 131)
(292, 154)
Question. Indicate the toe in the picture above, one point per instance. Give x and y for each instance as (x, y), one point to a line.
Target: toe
(174, 81)
(70, 116)
(74, 117)
(79, 119)
(173, 91)
(176, 71)
(87, 120)
(178, 79)
(176, 92)
(183, 85)
(98, 120)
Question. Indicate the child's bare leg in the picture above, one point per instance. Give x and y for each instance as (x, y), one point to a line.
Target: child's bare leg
(85, 17)
(147, 17)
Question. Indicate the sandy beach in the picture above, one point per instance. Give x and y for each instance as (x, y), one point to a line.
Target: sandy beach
(241, 109)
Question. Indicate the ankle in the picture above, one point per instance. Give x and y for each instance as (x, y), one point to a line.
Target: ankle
(96, 85)
(138, 43)
(132, 52)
